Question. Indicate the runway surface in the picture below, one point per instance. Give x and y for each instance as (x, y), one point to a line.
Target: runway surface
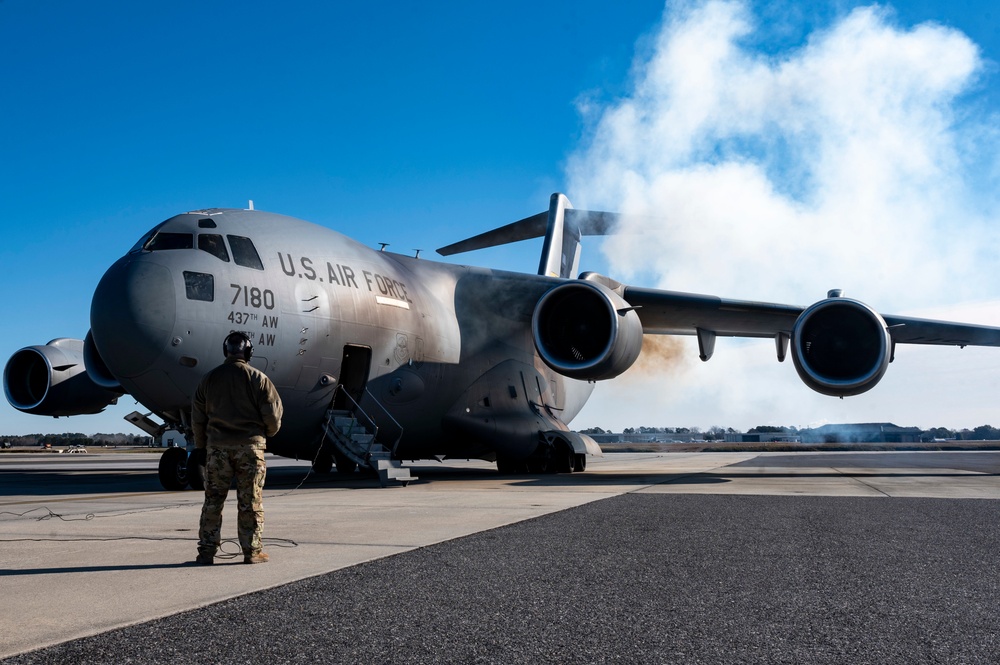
(711, 557)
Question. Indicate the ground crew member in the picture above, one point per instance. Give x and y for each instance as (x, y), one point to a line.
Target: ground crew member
(234, 409)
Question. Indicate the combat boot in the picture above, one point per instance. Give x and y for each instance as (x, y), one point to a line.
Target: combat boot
(204, 559)
(259, 557)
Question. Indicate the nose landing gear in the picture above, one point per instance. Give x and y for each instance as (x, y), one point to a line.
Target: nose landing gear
(178, 470)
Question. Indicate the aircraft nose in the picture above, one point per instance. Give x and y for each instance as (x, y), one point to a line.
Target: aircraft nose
(132, 315)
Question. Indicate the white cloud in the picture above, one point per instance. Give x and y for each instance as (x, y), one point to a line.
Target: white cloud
(852, 161)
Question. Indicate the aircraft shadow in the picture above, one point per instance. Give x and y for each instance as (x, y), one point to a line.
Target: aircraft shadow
(50, 483)
(47, 483)
(72, 483)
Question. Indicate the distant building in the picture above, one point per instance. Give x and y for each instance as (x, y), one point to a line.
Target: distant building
(758, 437)
(862, 433)
(742, 437)
(844, 433)
(173, 438)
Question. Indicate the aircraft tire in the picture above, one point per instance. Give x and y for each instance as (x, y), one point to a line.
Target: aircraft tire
(580, 463)
(508, 467)
(563, 460)
(196, 468)
(173, 469)
(345, 465)
(323, 462)
(539, 466)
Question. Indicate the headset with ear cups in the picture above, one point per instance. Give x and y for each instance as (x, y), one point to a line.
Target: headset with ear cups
(238, 344)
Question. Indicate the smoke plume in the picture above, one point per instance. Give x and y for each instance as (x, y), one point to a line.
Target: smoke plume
(858, 159)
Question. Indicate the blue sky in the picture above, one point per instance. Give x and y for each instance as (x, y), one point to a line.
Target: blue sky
(413, 124)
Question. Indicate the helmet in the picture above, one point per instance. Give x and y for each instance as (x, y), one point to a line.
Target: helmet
(238, 344)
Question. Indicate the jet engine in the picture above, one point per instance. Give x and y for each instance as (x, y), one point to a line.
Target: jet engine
(585, 330)
(841, 347)
(51, 380)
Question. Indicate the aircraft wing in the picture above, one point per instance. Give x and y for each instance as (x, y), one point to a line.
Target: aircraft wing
(907, 330)
(676, 313)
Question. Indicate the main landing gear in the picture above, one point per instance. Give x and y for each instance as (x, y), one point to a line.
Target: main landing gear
(562, 460)
(327, 459)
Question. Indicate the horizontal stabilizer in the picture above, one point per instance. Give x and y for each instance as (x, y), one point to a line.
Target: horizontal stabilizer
(525, 229)
(590, 223)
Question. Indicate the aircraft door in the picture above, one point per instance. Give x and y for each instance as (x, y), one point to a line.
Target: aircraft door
(354, 368)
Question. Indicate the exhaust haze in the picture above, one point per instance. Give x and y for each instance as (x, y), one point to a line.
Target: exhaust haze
(858, 159)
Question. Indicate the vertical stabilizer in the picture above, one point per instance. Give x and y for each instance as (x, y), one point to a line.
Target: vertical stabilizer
(561, 251)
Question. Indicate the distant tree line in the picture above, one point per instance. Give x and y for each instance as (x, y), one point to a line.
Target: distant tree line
(981, 433)
(77, 439)
(711, 434)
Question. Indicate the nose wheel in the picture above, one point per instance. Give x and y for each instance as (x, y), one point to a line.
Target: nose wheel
(173, 469)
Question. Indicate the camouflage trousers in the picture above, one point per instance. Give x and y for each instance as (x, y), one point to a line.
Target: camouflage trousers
(247, 465)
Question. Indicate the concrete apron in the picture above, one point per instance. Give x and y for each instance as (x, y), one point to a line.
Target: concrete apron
(118, 559)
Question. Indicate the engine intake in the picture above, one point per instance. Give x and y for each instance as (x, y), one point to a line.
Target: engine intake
(51, 380)
(585, 330)
(841, 347)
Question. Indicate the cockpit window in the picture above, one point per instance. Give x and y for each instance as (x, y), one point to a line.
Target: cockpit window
(244, 253)
(199, 286)
(213, 244)
(137, 247)
(169, 241)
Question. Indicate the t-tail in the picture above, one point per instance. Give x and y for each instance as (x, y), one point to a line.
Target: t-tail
(562, 225)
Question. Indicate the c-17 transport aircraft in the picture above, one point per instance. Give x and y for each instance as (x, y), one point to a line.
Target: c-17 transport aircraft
(380, 355)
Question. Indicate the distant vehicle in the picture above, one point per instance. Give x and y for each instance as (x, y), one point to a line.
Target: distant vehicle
(75, 449)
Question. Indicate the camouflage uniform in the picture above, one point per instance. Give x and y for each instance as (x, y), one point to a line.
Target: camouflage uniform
(235, 407)
(247, 464)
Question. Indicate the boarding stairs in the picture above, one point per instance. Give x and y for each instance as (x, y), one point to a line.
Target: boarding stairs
(352, 433)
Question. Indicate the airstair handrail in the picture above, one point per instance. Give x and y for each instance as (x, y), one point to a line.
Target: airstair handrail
(360, 411)
(371, 420)
(394, 421)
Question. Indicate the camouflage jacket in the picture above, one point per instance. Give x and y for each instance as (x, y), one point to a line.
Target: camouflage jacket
(235, 404)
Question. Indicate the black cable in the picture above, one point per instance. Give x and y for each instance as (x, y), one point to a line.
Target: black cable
(271, 542)
(50, 514)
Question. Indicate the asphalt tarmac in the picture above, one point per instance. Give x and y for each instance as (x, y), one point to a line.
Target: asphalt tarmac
(836, 557)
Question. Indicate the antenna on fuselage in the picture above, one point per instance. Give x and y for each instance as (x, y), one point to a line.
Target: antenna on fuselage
(251, 205)
(383, 246)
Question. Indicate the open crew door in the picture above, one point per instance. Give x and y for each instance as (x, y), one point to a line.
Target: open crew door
(354, 368)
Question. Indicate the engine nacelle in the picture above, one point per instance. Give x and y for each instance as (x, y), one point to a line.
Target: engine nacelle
(96, 368)
(841, 347)
(51, 380)
(585, 330)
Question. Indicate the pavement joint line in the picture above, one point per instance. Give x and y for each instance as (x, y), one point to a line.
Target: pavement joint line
(683, 476)
(858, 480)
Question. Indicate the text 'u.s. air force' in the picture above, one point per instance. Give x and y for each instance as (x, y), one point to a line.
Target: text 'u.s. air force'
(343, 275)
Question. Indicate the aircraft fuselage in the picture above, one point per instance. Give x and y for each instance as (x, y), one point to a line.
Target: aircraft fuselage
(444, 352)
